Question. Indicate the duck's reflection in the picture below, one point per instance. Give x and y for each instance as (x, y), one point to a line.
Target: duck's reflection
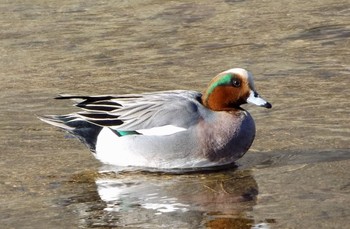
(193, 199)
(121, 196)
(156, 200)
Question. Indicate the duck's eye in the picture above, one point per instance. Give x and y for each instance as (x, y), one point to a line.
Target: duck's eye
(236, 82)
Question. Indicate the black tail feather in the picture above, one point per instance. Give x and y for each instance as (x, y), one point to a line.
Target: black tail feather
(85, 131)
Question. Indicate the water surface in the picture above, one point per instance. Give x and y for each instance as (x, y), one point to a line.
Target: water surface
(294, 176)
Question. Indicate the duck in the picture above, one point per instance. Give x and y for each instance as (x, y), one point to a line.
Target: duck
(175, 129)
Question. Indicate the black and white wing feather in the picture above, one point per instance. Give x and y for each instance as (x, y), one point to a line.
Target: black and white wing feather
(139, 111)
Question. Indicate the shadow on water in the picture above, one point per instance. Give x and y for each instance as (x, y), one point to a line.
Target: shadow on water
(126, 199)
(277, 159)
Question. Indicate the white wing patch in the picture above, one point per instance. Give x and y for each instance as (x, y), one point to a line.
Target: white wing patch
(161, 130)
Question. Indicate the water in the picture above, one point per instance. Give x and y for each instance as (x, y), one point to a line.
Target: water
(296, 173)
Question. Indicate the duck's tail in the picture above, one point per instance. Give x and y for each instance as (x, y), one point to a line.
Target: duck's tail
(85, 131)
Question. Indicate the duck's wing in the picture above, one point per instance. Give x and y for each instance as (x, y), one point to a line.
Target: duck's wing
(140, 111)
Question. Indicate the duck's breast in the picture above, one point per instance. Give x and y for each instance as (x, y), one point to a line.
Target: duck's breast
(226, 136)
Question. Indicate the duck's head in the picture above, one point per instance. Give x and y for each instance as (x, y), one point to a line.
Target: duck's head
(230, 89)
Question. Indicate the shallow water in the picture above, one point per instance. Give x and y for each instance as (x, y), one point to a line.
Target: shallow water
(294, 176)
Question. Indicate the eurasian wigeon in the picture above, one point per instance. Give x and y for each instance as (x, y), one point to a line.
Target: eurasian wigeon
(176, 129)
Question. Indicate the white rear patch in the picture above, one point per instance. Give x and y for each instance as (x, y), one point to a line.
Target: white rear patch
(125, 150)
(161, 130)
(111, 149)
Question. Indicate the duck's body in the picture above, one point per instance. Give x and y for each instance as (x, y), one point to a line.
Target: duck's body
(169, 129)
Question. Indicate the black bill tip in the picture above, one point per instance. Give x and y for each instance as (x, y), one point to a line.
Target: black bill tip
(267, 105)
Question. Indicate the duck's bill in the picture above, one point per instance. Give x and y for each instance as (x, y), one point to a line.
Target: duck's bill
(255, 99)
